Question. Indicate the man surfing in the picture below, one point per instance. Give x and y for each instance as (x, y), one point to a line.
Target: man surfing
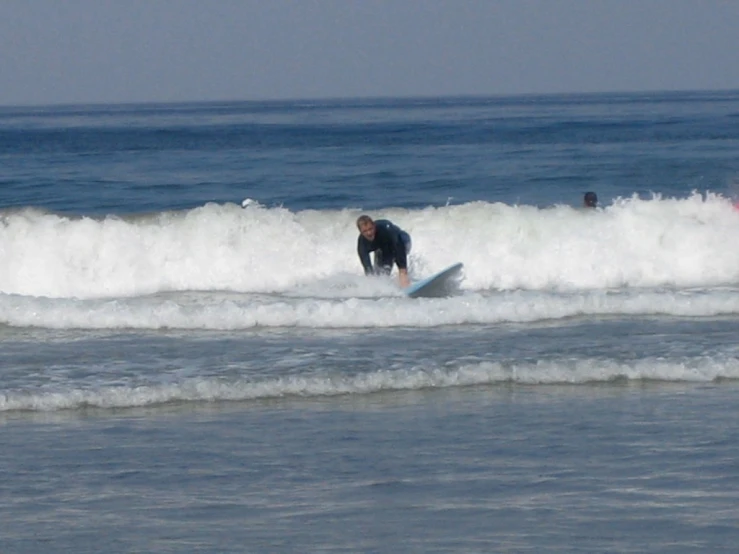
(389, 243)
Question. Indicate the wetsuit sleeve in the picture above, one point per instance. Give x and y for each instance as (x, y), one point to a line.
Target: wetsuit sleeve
(401, 256)
(364, 256)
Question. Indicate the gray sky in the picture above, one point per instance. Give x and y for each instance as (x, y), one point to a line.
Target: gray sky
(79, 51)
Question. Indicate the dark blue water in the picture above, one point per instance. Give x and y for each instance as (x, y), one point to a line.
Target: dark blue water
(191, 359)
(370, 154)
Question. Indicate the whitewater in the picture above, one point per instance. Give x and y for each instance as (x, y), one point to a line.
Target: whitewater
(224, 266)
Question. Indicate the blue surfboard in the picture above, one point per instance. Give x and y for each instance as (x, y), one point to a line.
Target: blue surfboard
(436, 286)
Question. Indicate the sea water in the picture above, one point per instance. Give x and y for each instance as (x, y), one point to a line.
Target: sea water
(191, 359)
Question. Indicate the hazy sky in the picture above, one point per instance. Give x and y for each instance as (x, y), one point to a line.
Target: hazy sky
(78, 51)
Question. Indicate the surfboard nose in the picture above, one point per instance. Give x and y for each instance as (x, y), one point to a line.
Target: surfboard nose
(436, 286)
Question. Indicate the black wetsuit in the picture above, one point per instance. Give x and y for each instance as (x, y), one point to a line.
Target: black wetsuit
(391, 244)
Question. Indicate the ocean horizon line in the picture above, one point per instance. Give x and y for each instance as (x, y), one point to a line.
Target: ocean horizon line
(399, 100)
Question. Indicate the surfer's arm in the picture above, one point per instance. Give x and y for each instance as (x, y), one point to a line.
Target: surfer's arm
(364, 256)
(401, 256)
(403, 278)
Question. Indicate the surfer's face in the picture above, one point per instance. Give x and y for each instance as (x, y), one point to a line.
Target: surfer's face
(368, 230)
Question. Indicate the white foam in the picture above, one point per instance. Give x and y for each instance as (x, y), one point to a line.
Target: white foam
(701, 369)
(632, 243)
(340, 309)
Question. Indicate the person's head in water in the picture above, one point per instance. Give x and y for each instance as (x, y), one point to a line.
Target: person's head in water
(590, 200)
(366, 227)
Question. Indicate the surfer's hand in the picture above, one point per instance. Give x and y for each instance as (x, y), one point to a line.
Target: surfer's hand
(403, 278)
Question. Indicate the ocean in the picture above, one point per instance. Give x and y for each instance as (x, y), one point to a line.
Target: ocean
(192, 359)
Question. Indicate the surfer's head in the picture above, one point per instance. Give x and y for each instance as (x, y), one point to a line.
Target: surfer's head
(366, 227)
(590, 200)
